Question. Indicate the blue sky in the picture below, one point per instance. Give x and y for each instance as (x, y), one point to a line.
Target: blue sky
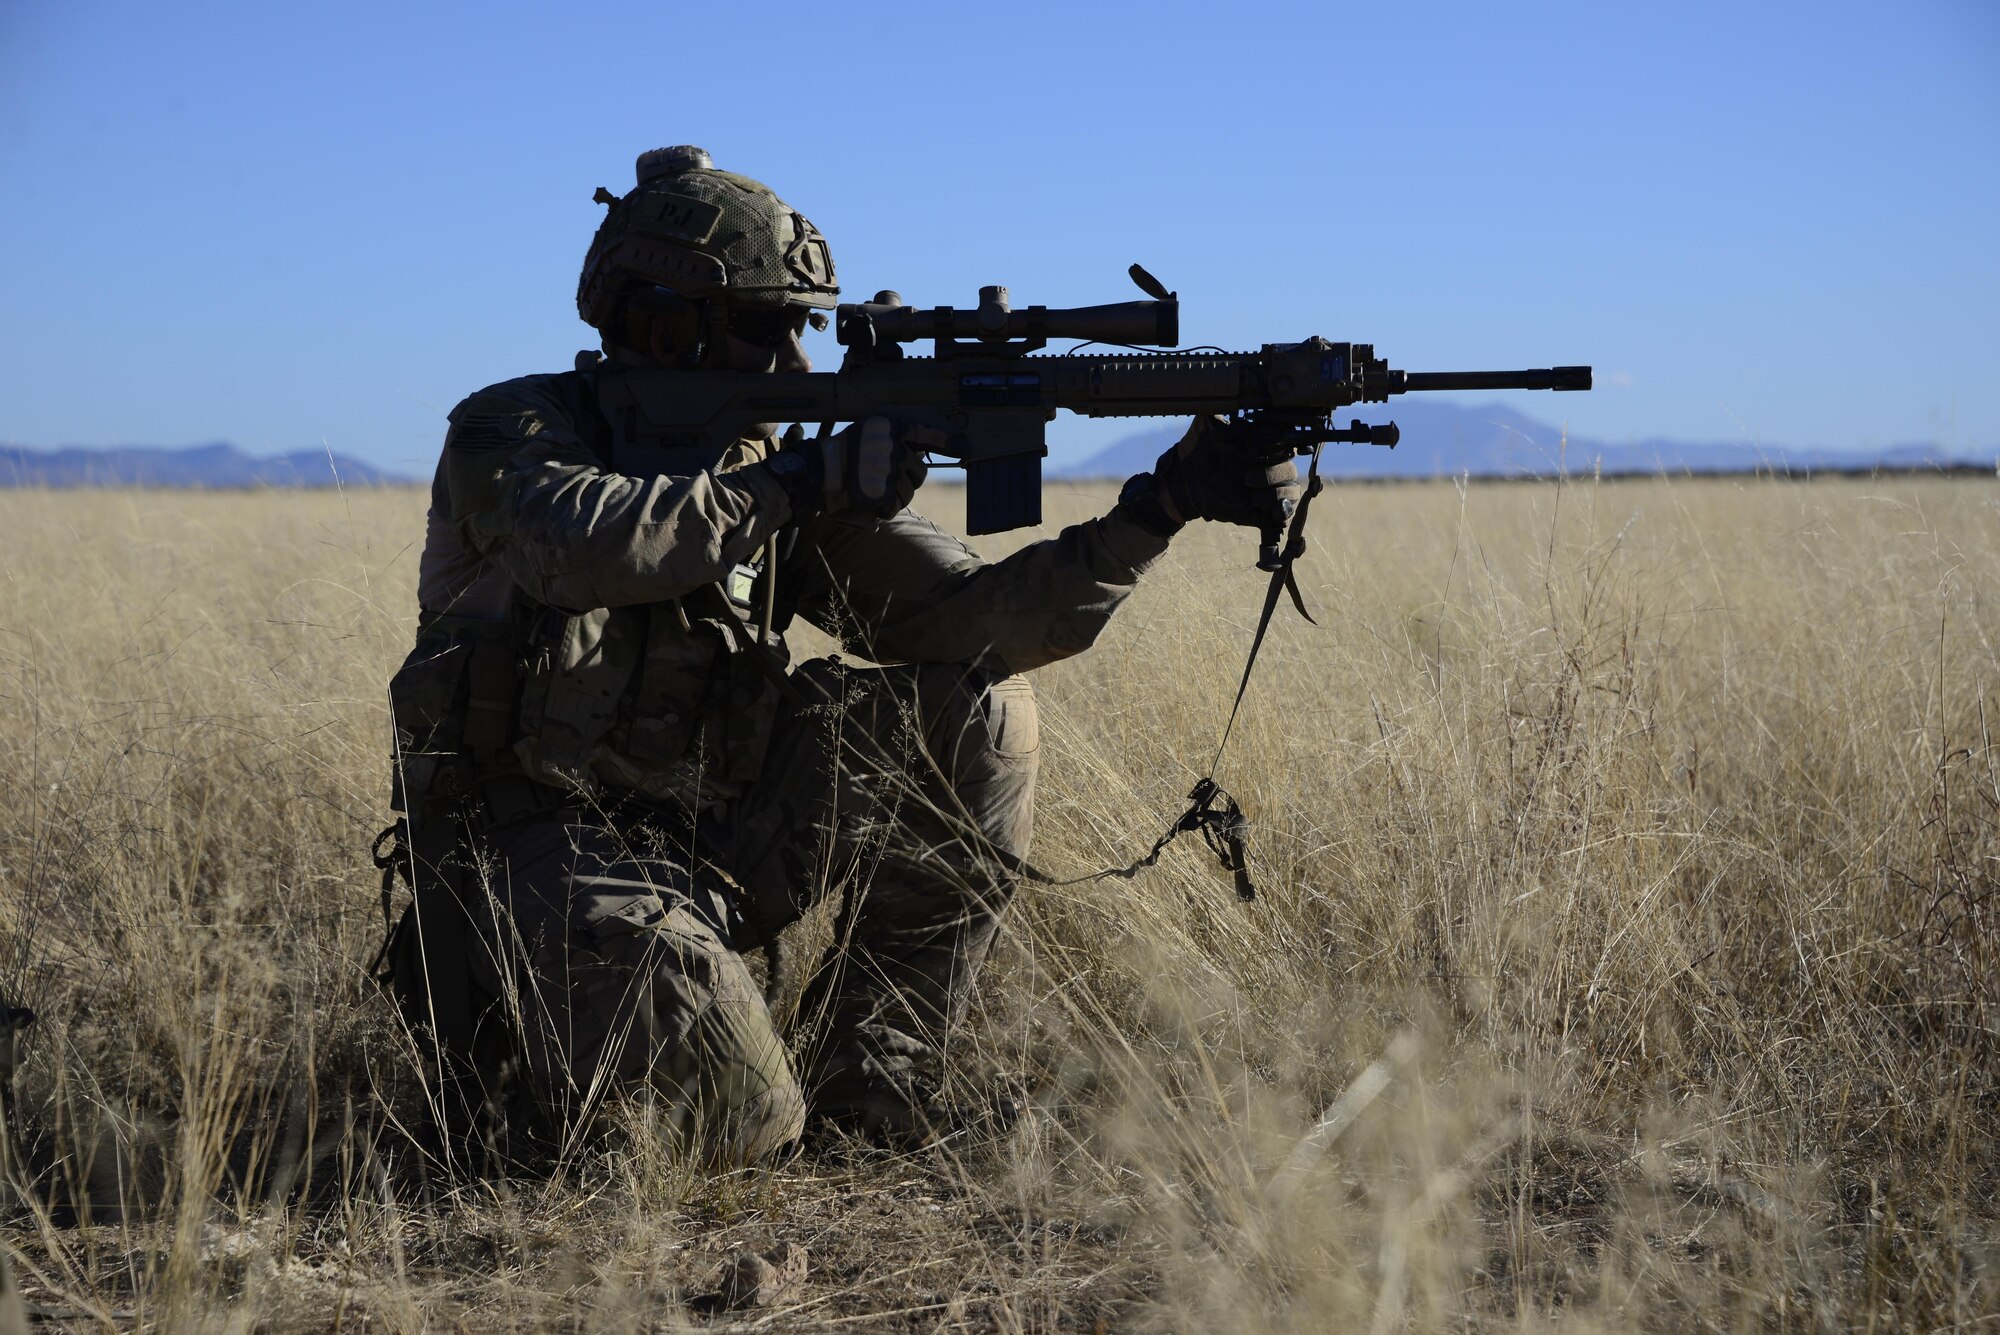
(292, 226)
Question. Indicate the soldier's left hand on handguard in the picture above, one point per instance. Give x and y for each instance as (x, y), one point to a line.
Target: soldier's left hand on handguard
(1209, 474)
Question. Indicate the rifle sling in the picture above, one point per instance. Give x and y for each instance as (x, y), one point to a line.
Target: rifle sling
(1210, 808)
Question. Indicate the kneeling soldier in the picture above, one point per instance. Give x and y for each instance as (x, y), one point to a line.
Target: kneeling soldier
(614, 784)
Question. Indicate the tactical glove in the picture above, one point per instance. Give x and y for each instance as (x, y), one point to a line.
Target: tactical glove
(1208, 475)
(871, 468)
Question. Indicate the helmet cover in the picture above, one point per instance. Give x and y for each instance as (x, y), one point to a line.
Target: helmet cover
(703, 233)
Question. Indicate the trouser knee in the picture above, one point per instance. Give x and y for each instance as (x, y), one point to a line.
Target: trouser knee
(664, 1002)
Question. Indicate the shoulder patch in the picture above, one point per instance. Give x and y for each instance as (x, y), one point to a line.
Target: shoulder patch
(505, 414)
(477, 427)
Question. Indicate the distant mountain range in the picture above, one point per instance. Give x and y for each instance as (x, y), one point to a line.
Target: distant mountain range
(217, 465)
(1443, 439)
(1440, 439)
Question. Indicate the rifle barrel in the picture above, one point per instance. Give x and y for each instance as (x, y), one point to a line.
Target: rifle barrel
(1553, 377)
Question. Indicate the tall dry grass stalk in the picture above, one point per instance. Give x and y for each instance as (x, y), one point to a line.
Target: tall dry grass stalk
(1624, 958)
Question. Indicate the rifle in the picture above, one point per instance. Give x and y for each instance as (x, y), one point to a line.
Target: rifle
(990, 399)
(986, 396)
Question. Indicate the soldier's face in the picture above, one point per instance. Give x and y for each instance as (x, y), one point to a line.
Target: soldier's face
(772, 346)
(787, 355)
(763, 345)
(767, 339)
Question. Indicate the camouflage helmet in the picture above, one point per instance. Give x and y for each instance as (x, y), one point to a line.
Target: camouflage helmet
(703, 233)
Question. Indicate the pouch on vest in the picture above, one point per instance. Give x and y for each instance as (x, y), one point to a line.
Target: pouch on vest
(741, 706)
(452, 704)
(570, 699)
(665, 708)
(425, 709)
(751, 715)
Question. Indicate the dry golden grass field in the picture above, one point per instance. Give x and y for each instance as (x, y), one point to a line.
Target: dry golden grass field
(1630, 856)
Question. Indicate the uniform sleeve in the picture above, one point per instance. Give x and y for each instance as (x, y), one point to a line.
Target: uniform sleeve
(902, 590)
(526, 493)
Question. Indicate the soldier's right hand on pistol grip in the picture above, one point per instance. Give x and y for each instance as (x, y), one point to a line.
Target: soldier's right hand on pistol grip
(871, 468)
(1207, 475)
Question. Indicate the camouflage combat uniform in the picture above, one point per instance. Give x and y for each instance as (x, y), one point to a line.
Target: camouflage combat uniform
(621, 788)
